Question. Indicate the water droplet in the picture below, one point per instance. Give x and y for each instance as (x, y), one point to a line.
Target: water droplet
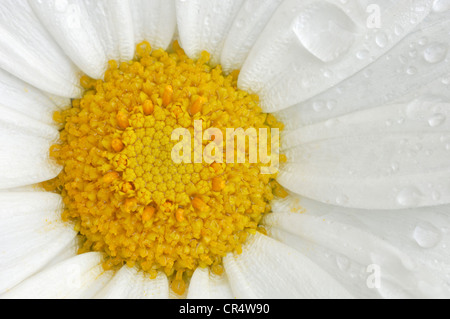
(207, 21)
(441, 5)
(436, 195)
(398, 29)
(341, 200)
(325, 30)
(411, 70)
(403, 59)
(446, 80)
(413, 53)
(395, 166)
(423, 41)
(61, 5)
(362, 55)
(318, 106)
(331, 104)
(436, 120)
(343, 263)
(327, 73)
(381, 39)
(409, 197)
(426, 235)
(367, 73)
(306, 83)
(240, 23)
(435, 52)
(414, 110)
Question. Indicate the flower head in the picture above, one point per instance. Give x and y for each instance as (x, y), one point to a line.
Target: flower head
(359, 208)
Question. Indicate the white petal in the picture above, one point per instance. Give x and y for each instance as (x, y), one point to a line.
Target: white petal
(29, 52)
(129, 283)
(247, 26)
(20, 97)
(389, 157)
(269, 269)
(426, 114)
(205, 285)
(310, 46)
(31, 235)
(404, 252)
(204, 24)
(89, 32)
(81, 276)
(24, 189)
(441, 6)
(24, 149)
(113, 22)
(154, 21)
(59, 101)
(417, 65)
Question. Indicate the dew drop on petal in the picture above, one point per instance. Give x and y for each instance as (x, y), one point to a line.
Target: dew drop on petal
(445, 80)
(426, 235)
(436, 195)
(409, 197)
(423, 41)
(343, 263)
(342, 200)
(435, 52)
(436, 120)
(398, 29)
(395, 166)
(381, 39)
(318, 106)
(61, 5)
(362, 54)
(331, 104)
(441, 5)
(411, 70)
(325, 31)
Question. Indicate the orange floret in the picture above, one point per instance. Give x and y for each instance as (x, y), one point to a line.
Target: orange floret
(117, 145)
(148, 107)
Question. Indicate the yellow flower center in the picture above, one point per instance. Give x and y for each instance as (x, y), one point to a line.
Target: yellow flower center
(125, 193)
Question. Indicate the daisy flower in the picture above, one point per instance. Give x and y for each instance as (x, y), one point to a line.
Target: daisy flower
(359, 208)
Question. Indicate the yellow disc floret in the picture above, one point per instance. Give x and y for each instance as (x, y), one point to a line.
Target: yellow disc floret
(120, 186)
